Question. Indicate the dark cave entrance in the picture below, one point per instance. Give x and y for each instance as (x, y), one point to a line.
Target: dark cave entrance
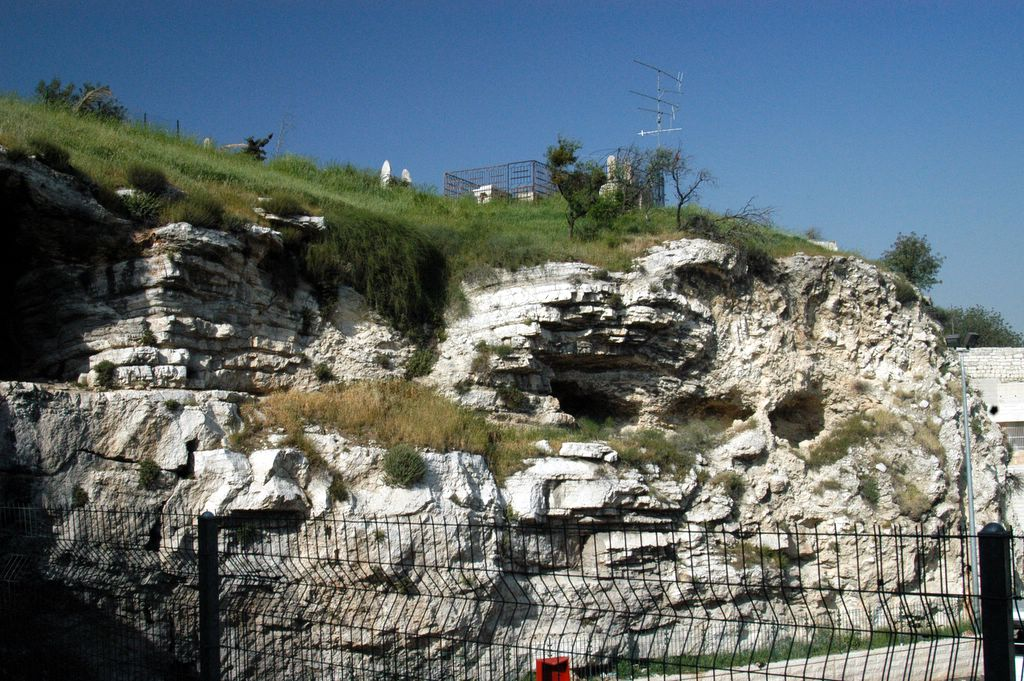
(799, 417)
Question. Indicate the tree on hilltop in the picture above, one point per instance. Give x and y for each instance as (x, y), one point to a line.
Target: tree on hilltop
(91, 98)
(578, 182)
(992, 329)
(912, 256)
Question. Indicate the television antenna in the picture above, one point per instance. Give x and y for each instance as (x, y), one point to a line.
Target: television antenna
(664, 107)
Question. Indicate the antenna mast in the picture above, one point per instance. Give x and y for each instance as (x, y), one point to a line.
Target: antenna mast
(663, 105)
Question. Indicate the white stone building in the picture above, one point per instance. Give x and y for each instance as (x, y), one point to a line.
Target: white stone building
(998, 374)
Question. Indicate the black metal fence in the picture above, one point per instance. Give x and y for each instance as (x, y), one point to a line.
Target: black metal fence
(148, 594)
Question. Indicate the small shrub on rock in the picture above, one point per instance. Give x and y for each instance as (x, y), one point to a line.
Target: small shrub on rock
(731, 482)
(149, 474)
(912, 501)
(148, 338)
(105, 372)
(79, 497)
(514, 398)
(905, 291)
(173, 406)
(482, 359)
(868, 489)
(403, 466)
(338, 491)
(142, 207)
(420, 363)
(323, 373)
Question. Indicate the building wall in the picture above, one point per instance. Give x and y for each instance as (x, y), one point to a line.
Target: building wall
(998, 374)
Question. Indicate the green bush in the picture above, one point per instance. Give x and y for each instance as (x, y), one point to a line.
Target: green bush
(147, 337)
(905, 291)
(105, 372)
(420, 363)
(142, 207)
(732, 484)
(403, 466)
(399, 271)
(323, 373)
(867, 487)
(172, 406)
(147, 178)
(338, 491)
(502, 351)
(199, 210)
(149, 474)
(79, 497)
(514, 398)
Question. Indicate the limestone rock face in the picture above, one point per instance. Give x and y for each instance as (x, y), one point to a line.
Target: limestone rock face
(175, 306)
(794, 397)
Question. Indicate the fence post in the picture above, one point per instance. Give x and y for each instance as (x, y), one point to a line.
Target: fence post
(209, 600)
(996, 602)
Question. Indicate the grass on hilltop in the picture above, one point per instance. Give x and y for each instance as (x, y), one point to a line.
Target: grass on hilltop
(403, 247)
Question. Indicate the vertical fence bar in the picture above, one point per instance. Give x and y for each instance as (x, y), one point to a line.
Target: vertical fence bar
(209, 600)
(996, 602)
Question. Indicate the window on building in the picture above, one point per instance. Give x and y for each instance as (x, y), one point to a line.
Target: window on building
(1015, 433)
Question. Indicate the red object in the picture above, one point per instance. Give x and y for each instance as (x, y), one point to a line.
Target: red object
(553, 669)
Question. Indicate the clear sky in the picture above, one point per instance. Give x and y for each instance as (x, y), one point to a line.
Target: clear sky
(862, 119)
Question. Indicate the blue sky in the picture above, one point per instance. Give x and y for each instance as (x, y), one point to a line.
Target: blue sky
(862, 119)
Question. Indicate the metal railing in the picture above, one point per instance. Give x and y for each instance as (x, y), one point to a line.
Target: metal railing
(523, 180)
(285, 597)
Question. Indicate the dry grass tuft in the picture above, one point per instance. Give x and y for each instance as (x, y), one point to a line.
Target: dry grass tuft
(390, 413)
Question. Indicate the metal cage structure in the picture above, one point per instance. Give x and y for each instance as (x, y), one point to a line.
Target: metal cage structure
(520, 180)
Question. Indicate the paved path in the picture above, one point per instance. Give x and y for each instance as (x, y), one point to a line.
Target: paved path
(955, 658)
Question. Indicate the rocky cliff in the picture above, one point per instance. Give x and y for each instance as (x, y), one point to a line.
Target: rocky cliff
(825, 397)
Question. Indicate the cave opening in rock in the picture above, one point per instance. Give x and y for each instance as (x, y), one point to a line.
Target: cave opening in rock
(582, 402)
(723, 409)
(799, 417)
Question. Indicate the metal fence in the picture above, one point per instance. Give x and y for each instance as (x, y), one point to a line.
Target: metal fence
(145, 594)
(523, 180)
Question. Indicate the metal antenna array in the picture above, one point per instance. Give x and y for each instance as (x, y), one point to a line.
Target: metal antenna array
(664, 106)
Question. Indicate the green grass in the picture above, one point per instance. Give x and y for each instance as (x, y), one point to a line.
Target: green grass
(673, 452)
(822, 641)
(440, 240)
(854, 431)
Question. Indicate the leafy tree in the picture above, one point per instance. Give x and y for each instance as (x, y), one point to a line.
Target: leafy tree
(992, 329)
(579, 183)
(91, 98)
(912, 256)
(55, 93)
